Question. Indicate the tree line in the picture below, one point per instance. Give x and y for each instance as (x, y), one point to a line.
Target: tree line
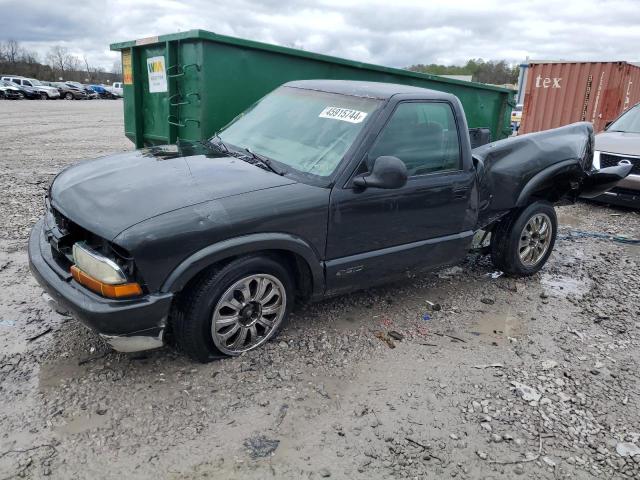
(497, 72)
(58, 64)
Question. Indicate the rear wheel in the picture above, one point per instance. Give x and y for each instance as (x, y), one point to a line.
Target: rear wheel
(44, 96)
(522, 243)
(68, 96)
(233, 309)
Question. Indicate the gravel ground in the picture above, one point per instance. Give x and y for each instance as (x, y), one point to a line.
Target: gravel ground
(500, 378)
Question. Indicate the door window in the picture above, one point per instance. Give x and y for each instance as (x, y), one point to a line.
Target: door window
(423, 135)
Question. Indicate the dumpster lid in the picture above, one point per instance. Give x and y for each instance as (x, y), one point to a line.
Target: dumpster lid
(240, 42)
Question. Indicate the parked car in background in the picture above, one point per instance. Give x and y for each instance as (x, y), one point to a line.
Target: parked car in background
(9, 91)
(68, 92)
(116, 89)
(103, 91)
(516, 118)
(321, 188)
(620, 144)
(89, 92)
(45, 92)
(24, 91)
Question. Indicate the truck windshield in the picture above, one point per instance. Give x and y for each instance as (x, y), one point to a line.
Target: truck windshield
(629, 122)
(307, 130)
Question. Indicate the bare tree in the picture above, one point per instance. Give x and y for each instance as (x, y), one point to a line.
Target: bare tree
(117, 67)
(12, 51)
(61, 61)
(57, 58)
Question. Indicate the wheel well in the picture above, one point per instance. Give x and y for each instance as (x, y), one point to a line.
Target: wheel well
(296, 264)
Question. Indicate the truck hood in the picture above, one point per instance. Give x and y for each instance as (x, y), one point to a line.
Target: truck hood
(621, 143)
(110, 194)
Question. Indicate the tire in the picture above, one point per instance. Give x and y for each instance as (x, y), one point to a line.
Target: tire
(20, 96)
(521, 229)
(68, 96)
(216, 296)
(44, 96)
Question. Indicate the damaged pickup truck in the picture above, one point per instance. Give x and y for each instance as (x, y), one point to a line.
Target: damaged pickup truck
(320, 188)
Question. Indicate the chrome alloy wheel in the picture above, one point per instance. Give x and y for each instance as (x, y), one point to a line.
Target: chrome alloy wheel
(248, 313)
(535, 239)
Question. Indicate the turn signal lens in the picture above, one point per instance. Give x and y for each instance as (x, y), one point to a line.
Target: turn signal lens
(123, 290)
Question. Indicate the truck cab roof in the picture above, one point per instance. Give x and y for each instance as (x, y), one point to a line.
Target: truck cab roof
(378, 90)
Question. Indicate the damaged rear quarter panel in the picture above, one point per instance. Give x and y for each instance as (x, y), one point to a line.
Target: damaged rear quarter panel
(511, 170)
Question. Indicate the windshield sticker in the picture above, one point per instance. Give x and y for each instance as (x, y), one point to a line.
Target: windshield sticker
(344, 114)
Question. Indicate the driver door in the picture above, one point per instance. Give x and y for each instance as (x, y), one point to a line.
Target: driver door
(377, 234)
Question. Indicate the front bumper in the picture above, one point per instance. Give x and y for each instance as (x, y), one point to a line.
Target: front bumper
(127, 325)
(626, 193)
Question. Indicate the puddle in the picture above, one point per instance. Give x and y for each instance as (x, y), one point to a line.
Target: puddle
(566, 219)
(51, 375)
(563, 286)
(497, 325)
(82, 424)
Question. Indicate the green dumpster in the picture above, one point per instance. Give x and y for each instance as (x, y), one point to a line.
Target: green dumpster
(189, 85)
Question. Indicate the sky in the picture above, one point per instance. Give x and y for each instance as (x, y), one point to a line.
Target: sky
(395, 33)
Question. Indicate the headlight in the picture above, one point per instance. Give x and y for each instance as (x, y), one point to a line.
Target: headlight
(99, 267)
(101, 274)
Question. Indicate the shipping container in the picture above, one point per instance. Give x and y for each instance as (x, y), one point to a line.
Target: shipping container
(559, 93)
(189, 85)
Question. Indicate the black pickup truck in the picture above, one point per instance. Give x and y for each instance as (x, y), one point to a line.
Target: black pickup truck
(320, 188)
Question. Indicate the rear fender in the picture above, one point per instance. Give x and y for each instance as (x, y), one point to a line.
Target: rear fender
(556, 181)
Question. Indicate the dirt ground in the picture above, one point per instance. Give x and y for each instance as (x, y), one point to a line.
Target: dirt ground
(328, 398)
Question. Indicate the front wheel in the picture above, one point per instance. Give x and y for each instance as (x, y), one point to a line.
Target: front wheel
(522, 243)
(44, 96)
(233, 309)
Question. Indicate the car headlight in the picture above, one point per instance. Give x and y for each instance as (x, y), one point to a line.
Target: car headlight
(101, 274)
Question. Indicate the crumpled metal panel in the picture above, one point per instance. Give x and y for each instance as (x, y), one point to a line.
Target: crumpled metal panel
(508, 169)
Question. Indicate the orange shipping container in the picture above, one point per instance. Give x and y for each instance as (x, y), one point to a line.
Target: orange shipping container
(559, 93)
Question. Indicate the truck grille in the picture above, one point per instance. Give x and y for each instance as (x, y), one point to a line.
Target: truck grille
(609, 160)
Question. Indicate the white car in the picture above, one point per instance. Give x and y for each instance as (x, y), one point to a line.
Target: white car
(46, 92)
(116, 89)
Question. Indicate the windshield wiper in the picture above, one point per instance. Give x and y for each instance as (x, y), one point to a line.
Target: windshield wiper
(263, 160)
(218, 143)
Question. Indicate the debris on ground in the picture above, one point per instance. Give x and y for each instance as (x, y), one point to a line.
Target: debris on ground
(385, 338)
(527, 393)
(396, 335)
(489, 365)
(259, 446)
(627, 449)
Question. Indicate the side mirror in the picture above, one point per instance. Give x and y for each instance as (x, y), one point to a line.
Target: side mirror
(387, 172)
